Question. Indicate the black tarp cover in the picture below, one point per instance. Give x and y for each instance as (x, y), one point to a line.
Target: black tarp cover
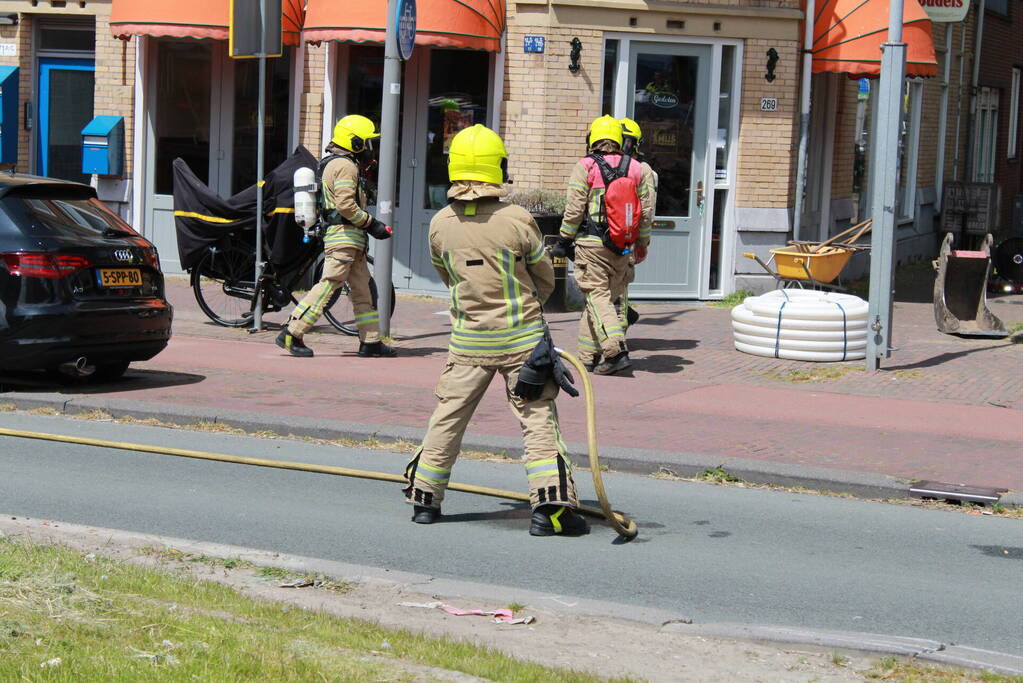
(202, 217)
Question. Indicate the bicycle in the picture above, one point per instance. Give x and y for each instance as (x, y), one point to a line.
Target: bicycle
(224, 286)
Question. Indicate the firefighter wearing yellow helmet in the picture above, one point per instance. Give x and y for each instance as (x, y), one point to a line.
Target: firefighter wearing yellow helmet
(602, 266)
(490, 255)
(344, 199)
(632, 136)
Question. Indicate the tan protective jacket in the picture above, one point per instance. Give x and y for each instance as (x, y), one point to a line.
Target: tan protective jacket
(491, 257)
(343, 192)
(583, 203)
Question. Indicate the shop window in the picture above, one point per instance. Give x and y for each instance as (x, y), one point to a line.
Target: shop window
(68, 38)
(459, 85)
(985, 136)
(277, 113)
(182, 107)
(998, 7)
(1013, 142)
(909, 148)
(723, 140)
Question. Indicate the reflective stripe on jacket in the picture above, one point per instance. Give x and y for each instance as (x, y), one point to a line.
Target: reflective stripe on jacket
(343, 193)
(491, 257)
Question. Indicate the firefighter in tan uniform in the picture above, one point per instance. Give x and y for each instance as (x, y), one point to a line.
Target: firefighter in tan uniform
(490, 255)
(632, 135)
(344, 244)
(601, 272)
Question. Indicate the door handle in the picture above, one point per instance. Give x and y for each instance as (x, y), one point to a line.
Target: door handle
(699, 194)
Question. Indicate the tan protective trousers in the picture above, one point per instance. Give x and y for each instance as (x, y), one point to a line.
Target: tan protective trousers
(459, 391)
(340, 264)
(602, 278)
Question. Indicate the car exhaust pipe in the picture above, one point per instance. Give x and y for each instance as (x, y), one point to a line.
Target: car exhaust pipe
(78, 367)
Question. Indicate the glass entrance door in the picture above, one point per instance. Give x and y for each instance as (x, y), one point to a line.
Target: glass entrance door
(669, 88)
(65, 107)
(445, 91)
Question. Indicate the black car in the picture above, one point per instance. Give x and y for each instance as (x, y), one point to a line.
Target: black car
(80, 291)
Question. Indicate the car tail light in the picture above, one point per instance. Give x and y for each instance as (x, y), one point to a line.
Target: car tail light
(44, 265)
(152, 257)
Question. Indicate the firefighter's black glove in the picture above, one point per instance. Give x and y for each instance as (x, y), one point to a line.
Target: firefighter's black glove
(562, 376)
(379, 230)
(534, 373)
(563, 248)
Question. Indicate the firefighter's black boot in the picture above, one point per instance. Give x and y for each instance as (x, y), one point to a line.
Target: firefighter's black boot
(549, 520)
(376, 350)
(424, 515)
(610, 366)
(293, 345)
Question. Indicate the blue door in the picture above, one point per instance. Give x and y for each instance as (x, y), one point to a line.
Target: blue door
(65, 107)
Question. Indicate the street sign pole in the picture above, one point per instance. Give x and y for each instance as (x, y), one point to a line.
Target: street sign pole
(884, 185)
(405, 10)
(257, 319)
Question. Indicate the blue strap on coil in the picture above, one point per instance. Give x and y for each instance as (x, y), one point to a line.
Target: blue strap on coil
(777, 336)
(845, 331)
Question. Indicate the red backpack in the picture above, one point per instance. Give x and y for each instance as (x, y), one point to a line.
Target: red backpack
(620, 208)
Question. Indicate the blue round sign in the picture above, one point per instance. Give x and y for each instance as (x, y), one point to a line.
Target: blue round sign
(405, 21)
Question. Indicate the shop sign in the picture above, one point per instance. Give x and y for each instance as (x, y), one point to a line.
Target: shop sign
(405, 21)
(664, 100)
(533, 43)
(946, 11)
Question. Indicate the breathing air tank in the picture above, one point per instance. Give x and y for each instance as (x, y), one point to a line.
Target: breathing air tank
(305, 199)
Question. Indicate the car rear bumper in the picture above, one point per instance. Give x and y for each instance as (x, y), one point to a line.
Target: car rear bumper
(99, 331)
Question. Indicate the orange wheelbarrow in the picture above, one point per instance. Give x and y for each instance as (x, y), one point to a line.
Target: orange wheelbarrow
(816, 264)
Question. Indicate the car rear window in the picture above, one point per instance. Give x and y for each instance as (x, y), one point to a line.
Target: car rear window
(51, 215)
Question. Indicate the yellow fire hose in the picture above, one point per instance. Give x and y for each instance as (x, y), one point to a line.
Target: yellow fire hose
(622, 524)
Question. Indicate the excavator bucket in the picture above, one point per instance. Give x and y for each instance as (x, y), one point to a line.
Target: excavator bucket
(960, 292)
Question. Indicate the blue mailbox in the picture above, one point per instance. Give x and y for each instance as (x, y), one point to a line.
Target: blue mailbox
(103, 146)
(8, 114)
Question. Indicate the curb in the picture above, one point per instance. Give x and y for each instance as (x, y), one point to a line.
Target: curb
(620, 459)
(667, 622)
(917, 648)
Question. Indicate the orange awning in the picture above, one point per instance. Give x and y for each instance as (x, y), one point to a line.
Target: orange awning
(476, 24)
(190, 19)
(847, 38)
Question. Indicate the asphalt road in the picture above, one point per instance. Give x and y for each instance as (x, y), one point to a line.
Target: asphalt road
(706, 553)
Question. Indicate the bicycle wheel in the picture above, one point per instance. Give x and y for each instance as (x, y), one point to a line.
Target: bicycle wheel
(223, 285)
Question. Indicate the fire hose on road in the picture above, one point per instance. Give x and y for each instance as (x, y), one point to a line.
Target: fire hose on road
(625, 527)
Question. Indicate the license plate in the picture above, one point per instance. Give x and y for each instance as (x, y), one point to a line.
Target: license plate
(119, 277)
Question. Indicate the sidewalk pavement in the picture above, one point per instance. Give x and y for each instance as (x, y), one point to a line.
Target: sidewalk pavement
(942, 408)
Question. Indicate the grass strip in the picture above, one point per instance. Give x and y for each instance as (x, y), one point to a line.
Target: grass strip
(65, 616)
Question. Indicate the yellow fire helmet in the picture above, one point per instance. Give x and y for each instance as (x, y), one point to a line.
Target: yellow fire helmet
(631, 129)
(605, 128)
(477, 153)
(353, 132)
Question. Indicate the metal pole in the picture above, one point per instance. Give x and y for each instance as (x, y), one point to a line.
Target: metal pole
(390, 102)
(939, 172)
(885, 159)
(257, 318)
(959, 100)
(804, 119)
(971, 135)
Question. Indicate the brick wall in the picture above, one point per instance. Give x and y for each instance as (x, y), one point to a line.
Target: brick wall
(310, 124)
(115, 80)
(547, 108)
(768, 141)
